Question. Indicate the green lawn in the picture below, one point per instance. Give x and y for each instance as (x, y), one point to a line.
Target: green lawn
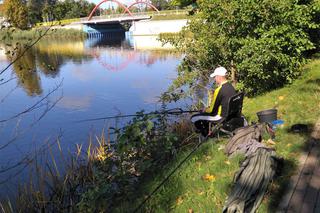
(203, 182)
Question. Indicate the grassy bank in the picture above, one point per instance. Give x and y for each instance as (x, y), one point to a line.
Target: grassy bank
(169, 17)
(203, 183)
(16, 34)
(118, 179)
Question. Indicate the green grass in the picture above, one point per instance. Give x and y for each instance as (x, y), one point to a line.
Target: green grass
(188, 190)
(201, 184)
(16, 34)
(55, 23)
(169, 17)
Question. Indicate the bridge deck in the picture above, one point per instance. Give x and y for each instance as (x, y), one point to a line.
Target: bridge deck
(104, 20)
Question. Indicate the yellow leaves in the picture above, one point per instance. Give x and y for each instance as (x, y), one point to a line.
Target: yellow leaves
(221, 147)
(270, 142)
(208, 177)
(289, 145)
(179, 201)
(227, 162)
(281, 97)
(200, 192)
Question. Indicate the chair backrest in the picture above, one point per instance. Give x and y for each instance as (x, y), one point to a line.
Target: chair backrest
(235, 106)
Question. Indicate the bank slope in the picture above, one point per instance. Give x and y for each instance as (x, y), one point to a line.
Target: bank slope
(204, 181)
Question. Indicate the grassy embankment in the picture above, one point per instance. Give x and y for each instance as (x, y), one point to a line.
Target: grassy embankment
(204, 181)
(16, 34)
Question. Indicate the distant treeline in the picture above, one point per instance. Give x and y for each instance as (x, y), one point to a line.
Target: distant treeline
(24, 14)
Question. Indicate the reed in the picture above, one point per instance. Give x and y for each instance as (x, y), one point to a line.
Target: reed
(9, 34)
(100, 175)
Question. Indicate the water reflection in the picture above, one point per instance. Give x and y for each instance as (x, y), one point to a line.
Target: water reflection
(25, 68)
(48, 56)
(100, 78)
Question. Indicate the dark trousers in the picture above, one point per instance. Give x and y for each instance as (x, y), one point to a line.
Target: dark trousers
(202, 126)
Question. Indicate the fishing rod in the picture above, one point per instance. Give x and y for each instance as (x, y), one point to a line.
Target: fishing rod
(213, 131)
(175, 111)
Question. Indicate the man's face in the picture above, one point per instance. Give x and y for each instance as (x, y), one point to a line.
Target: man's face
(217, 79)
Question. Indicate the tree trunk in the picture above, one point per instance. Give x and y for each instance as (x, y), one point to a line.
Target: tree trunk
(233, 74)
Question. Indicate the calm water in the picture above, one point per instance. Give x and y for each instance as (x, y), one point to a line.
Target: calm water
(88, 79)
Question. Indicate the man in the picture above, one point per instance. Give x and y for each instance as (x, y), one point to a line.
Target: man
(219, 99)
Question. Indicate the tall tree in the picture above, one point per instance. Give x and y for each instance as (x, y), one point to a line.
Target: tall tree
(262, 42)
(34, 11)
(161, 4)
(16, 12)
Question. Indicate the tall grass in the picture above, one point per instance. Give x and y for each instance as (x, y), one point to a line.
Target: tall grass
(101, 175)
(203, 183)
(10, 34)
(56, 182)
(118, 178)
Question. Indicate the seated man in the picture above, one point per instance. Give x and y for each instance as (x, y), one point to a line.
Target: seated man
(218, 102)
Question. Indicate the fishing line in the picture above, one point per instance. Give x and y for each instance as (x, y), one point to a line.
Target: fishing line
(216, 128)
(177, 111)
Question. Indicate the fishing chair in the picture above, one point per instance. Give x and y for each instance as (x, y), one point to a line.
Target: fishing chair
(234, 118)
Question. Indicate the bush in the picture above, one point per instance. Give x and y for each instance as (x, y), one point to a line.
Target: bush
(262, 43)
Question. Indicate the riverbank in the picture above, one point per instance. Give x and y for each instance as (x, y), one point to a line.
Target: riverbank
(9, 34)
(203, 183)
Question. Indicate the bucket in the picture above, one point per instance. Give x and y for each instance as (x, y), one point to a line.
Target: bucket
(268, 115)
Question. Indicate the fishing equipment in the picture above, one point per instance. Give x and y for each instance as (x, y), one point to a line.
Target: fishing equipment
(175, 111)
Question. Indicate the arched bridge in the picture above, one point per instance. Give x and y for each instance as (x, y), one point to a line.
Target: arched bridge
(96, 25)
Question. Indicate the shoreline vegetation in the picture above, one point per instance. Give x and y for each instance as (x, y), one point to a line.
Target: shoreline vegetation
(267, 55)
(9, 34)
(118, 178)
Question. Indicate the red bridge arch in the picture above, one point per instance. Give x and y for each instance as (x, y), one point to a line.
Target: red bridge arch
(126, 9)
(143, 2)
(98, 5)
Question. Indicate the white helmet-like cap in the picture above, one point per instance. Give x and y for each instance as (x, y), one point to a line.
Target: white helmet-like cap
(220, 71)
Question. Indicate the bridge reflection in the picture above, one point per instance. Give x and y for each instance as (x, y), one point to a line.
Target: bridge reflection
(47, 58)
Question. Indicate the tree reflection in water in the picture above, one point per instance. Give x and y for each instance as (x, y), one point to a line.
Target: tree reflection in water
(46, 57)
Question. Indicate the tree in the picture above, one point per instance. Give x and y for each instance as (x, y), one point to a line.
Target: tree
(16, 12)
(1, 10)
(262, 43)
(180, 3)
(86, 8)
(161, 4)
(34, 11)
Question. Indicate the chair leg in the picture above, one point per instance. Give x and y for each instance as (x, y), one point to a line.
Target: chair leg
(209, 129)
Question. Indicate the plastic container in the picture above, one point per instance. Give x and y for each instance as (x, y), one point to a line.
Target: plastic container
(268, 115)
(277, 123)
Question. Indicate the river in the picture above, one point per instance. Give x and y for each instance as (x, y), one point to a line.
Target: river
(59, 82)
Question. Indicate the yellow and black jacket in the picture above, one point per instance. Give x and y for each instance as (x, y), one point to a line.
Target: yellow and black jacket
(218, 100)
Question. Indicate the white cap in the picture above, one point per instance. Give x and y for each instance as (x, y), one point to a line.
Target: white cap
(220, 71)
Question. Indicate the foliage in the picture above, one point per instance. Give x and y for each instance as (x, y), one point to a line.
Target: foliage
(1, 10)
(35, 11)
(34, 14)
(182, 3)
(144, 146)
(10, 34)
(16, 13)
(203, 183)
(263, 44)
(161, 4)
(169, 16)
(315, 33)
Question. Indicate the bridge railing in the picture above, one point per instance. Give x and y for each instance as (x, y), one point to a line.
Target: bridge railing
(150, 13)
